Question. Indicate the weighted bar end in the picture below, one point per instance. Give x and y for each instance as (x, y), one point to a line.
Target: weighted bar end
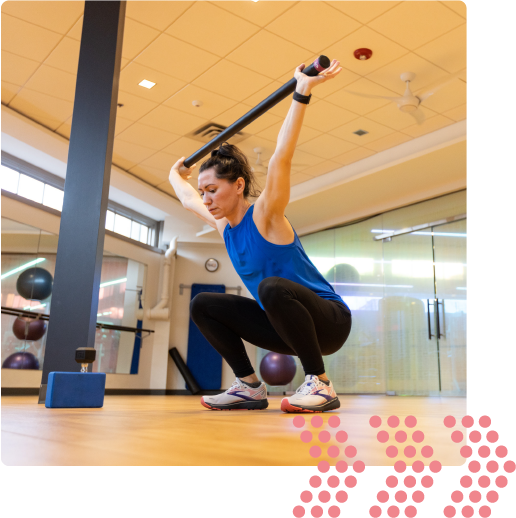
(321, 63)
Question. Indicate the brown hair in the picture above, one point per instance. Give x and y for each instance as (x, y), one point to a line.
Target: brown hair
(229, 163)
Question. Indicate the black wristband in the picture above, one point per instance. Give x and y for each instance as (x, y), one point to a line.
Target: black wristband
(304, 99)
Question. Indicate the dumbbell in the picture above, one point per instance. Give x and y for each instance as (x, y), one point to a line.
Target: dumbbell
(84, 356)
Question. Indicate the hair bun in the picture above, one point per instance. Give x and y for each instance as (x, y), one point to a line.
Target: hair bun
(215, 152)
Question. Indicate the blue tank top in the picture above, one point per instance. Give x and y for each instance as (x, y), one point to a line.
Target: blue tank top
(255, 259)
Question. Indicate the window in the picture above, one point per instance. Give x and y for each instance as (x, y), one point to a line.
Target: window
(30, 188)
(53, 197)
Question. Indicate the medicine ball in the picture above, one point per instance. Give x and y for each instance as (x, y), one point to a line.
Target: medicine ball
(25, 328)
(35, 284)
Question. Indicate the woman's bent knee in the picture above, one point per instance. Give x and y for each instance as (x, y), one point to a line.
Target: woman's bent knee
(270, 289)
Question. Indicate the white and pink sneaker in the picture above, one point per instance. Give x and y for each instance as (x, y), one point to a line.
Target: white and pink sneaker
(312, 396)
(238, 397)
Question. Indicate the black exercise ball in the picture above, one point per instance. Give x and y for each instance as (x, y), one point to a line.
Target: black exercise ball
(35, 284)
(344, 273)
(21, 360)
(32, 329)
(277, 369)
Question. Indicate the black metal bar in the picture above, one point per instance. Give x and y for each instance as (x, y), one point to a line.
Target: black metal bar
(438, 324)
(429, 321)
(320, 64)
(185, 371)
(81, 235)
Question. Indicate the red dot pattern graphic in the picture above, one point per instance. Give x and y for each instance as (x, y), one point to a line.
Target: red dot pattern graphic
(410, 421)
(400, 496)
(400, 436)
(333, 481)
(375, 511)
(475, 497)
(306, 496)
(410, 481)
(449, 421)
(467, 421)
(324, 436)
(382, 496)
(324, 497)
(333, 451)
(323, 466)
(467, 511)
(382, 436)
(393, 511)
(418, 436)
(341, 466)
(341, 496)
(474, 466)
(317, 511)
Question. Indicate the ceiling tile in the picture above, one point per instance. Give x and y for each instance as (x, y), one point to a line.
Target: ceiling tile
(449, 96)
(391, 116)
(430, 125)
(124, 62)
(392, 140)
(65, 56)
(262, 94)
(148, 175)
(8, 92)
(305, 135)
(301, 160)
(364, 12)
(298, 178)
(384, 51)
(167, 188)
(55, 16)
(121, 124)
(353, 156)
(172, 120)
(65, 129)
(413, 24)
(133, 107)
(162, 161)
(448, 51)
(158, 15)
(375, 131)
(233, 114)
(207, 26)
(324, 116)
(147, 136)
(212, 104)
(248, 145)
(136, 38)
(322, 168)
(457, 114)
(281, 109)
(260, 13)
(127, 154)
(459, 7)
(181, 147)
(297, 25)
(326, 146)
(256, 53)
(132, 75)
(51, 81)
(27, 40)
(17, 70)
(76, 31)
(231, 80)
(176, 58)
(48, 111)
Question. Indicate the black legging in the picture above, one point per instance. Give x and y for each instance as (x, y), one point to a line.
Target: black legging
(296, 321)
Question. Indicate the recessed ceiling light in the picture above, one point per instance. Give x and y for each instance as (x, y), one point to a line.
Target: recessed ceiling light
(360, 132)
(147, 84)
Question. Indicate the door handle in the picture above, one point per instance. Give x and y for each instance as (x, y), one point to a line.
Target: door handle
(439, 334)
(430, 335)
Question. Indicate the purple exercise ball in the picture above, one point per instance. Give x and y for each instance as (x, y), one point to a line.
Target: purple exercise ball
(21, 360)
(32, 329)
(277, 369)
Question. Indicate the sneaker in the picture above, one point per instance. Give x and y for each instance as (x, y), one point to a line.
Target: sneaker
(312, 396)
(238, 397)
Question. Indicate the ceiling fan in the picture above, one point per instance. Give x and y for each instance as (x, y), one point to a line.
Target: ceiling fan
(410, 102)
(260, 167)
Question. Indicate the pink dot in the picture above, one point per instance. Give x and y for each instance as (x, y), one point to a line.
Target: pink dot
(475, 436)
(418, 436)
(501, 451)
(341, 436)
(509, 466)
(409, 451)
(341, 496)
(317, 511)
(492, 497)
(484, 481)
(299, 422)
(449, 511)
(392, 481)
(474, 466)
(400, 436)
(466, 481)
(457, 496)
(467, 421)
(449, 421)
(391, 451)
(393, 511)
(382, 497)
(400, 496)
(324, 496)
(324, 436)
(484, 451)
(375, 511)
(410, 511)
(501, 481)
(350, 452)
(410, 421)
(341, 466)
(410, 481)
(427, 481)
(334, 421)
(299, 511)
(427, 451)
(400, 466)
(334, 511)
(323, 466)
(358, 466)
(375, 422)
(393, 421)
(316, 421)
(492, 466)
(382, 436)
(485, 421)
(350, 481)
(418, 466)
(457, 436)
(333, 451)
(467, 511)
(333, 481)
(435, 466)
(484, 511)
(466, 452)
(475, 497)
(315, 451)
(306, 436)
(492, 436)
(418, 496)
(315, 481)
(306, 496)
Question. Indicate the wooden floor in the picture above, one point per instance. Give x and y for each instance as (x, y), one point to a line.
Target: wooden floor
(177, 430)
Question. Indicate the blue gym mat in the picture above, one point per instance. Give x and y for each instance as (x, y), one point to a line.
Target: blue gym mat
(204, 362)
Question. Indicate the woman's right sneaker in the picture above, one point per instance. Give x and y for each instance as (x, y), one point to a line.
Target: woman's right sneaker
(312, 396)
(239, 396)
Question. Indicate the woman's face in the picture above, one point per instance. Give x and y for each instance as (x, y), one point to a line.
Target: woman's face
(219, 196)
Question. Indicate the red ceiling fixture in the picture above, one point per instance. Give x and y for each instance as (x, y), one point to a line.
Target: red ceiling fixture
(363, 54)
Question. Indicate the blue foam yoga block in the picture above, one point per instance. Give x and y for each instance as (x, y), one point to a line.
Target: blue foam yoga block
(75, 390)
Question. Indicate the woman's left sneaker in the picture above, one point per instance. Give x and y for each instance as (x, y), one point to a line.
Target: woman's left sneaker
(312, 396)
(239, 396)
